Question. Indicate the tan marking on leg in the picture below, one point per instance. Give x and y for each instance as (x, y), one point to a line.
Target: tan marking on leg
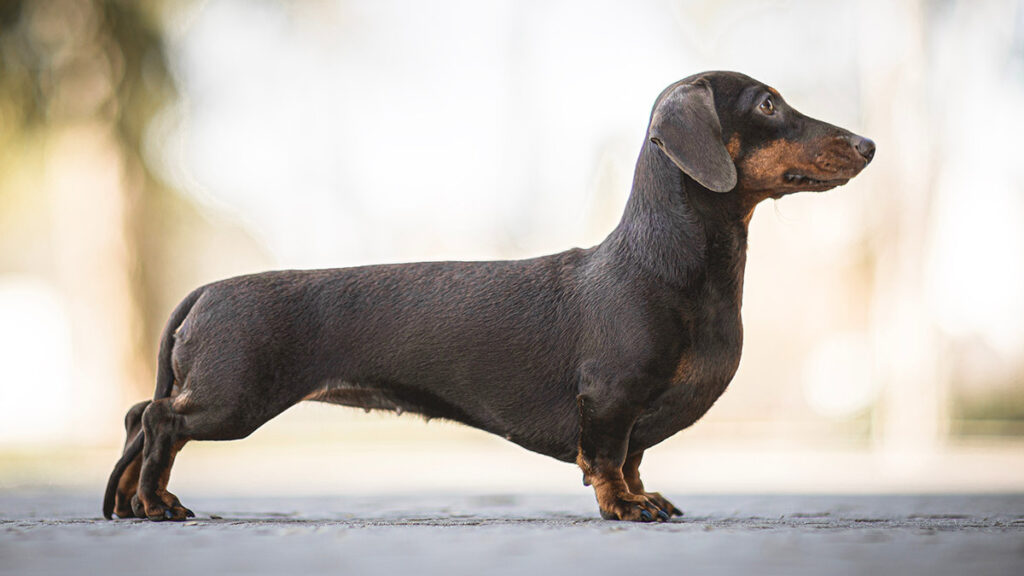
(170, 500)
(166, 476)
(631, 473)
(126, 488)
(613, 495)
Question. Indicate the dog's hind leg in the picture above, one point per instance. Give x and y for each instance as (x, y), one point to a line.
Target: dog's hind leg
(170, 501)
(128, 484)
(163, 439)
(200, 412)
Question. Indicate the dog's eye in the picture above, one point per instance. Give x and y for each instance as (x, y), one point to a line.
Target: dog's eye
(767, 107)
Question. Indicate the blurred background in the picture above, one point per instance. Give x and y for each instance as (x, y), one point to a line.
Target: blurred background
(149, 147)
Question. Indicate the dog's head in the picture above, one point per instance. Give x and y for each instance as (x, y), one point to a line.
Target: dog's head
(731, 133)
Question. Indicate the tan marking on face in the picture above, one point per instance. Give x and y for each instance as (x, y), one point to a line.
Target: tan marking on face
(774, 92)
(733, 147)
(830, 160)
(763, 168)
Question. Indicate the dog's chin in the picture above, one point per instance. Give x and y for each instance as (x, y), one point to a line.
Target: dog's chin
(795, 182)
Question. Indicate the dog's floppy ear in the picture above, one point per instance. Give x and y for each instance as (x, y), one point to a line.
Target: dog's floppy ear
(685, 126)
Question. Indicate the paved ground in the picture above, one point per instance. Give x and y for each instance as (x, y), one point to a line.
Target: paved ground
(61, 533)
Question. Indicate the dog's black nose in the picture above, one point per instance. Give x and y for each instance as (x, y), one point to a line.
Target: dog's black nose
(865, 146)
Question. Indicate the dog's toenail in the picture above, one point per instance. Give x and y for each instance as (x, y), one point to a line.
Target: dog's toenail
(646, 515)
(662, 515)
(168, 514)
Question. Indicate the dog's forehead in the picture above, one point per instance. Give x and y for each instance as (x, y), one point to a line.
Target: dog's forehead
(731, 90)
(721, 82)
(735, 86)
(731, 87)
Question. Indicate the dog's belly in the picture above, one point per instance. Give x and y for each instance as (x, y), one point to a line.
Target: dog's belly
(367, 398)
(541, 429)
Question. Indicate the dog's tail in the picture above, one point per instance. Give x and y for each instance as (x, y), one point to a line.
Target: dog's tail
(164, 384)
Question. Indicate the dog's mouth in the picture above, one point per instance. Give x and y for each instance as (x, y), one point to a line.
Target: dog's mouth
(804, 182)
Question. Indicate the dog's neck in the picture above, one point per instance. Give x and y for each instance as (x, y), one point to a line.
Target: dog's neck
(679, 231)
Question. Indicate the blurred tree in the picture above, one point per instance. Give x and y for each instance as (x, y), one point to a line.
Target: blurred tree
(80, 81)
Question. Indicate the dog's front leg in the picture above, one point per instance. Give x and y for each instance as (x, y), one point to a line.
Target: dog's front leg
(631, 473)
(605, 422)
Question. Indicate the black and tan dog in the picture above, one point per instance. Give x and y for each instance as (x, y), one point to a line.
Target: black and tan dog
(588, 356)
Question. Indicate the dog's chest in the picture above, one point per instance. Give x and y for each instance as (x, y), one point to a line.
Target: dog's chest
(708, 360)
(711, 345)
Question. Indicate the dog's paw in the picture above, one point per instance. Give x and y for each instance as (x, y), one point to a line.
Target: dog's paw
(173, 513)
(161, 512)
(633, 508)
(166, 508)
(663, 504)
(178, 512)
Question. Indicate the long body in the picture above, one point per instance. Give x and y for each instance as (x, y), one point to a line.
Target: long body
(496, 345)
(589, 356)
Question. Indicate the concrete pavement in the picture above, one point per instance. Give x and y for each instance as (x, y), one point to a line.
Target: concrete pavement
(61, 532)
